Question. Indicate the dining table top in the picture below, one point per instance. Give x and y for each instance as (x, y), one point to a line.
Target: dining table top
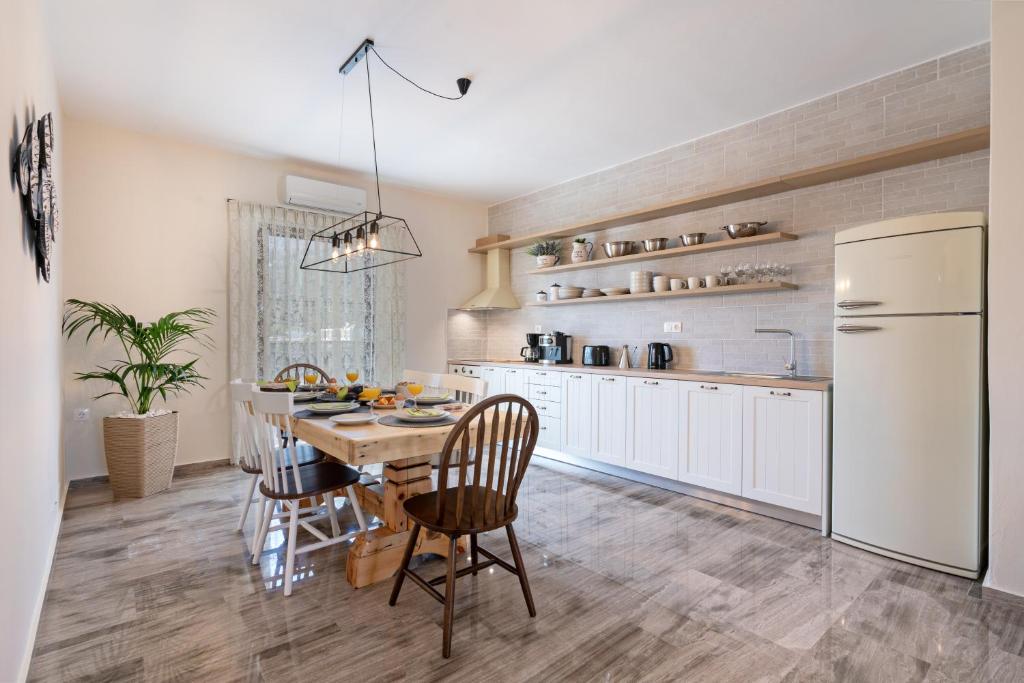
(370, 443)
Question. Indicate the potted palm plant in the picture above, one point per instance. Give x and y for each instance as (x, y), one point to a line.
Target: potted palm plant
(140, 444)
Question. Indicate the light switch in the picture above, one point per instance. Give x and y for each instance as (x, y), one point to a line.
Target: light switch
(674, 327)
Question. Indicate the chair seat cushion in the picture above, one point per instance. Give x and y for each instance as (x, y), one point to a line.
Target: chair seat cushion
(318, 477)
(304, 453)
(477, 516)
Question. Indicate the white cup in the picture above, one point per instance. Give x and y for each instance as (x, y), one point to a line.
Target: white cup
(677, 284)
(694, 282)
(712, 280)
(661, 283)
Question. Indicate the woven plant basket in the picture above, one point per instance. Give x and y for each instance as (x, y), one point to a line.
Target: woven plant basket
(140, 453)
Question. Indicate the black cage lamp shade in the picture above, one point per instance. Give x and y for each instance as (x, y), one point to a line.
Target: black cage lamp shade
(363, 240)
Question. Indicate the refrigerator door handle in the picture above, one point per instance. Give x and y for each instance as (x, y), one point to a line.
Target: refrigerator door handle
(851, 329)
(856, 303)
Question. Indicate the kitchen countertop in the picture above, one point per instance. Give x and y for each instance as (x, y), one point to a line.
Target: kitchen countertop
(799, 382)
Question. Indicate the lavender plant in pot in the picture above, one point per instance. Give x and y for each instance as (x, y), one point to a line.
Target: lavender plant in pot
(547, 252)
(140, 444)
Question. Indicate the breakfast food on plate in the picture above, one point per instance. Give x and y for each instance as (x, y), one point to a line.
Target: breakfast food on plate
(386, 401)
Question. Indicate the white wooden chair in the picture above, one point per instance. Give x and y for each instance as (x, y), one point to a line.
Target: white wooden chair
(246, 455)
(465, 389)
(285, 482)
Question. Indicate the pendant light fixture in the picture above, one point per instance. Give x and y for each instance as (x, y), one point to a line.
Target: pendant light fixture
(367, 239)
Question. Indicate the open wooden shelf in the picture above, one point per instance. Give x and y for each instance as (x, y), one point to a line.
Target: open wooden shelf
(704, 291)
(718, 245)
(927, 150)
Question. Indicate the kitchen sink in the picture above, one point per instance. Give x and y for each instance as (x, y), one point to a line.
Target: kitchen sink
(756, 375)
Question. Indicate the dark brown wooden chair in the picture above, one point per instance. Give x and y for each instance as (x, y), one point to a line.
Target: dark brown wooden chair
(487, 471)
(297, 370)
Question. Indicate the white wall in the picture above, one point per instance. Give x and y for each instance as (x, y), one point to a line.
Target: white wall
(147, 230)
(1006, 312)
(30, 354)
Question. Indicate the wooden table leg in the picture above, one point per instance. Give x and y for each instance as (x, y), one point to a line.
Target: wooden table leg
(376, 556)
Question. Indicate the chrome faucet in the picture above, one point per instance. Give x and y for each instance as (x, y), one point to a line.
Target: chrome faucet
(791, 365)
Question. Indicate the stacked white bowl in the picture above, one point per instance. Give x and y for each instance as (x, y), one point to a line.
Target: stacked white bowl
(640, 281)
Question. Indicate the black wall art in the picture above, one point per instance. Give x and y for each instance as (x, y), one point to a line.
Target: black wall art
(33, 162)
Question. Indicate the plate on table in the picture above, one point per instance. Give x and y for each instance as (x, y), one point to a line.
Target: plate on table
(353, 418)
(332, 408)
(301, 396)
(421, 415)
(433, 400)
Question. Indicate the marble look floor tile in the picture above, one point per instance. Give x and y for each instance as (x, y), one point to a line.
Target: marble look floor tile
(631, 582)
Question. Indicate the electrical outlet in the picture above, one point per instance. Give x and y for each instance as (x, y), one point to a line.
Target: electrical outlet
(674, 327)
(82, 415)
(538, 328)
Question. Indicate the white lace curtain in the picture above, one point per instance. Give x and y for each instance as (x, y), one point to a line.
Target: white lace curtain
(281, 315)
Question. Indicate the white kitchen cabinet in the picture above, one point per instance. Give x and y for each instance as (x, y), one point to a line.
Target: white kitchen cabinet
(608, 411)
(576, 391)
(711, 435)
(783, 449)
(515, 381)
(550, 435)
(495, 378)
(652, 426)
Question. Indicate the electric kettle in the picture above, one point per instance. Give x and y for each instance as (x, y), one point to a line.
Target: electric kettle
(659, 355)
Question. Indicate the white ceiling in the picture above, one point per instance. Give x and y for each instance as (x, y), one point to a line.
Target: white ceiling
(560, 88)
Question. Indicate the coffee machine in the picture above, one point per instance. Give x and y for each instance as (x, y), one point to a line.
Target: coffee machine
(555, 348)
(531, 352)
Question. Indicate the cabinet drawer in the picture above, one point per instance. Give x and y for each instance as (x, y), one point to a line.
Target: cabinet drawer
(545, 393)
(550, 378)
(549, 408)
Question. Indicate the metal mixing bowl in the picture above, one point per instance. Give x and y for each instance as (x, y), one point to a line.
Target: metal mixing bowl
(748, 229)
(613, 249)
(692, 238)
(655, 244)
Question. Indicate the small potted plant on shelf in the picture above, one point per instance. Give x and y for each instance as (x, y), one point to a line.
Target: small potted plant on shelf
(581, 250)
(140, 445)
(546, 252)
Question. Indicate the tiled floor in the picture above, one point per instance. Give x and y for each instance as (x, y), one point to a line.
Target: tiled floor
(631, 583)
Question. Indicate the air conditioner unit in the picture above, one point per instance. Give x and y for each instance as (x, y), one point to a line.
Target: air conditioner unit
(316, 194)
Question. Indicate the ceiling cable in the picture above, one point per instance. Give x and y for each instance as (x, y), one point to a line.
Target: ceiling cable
(373, 135)
(462, 83)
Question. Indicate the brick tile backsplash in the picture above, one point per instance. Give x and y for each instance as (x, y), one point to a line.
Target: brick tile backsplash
(934, 98)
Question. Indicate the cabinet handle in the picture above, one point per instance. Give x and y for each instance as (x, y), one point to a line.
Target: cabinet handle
(710, 387)
(856, 303)
(512, 372)
(850, 329)
(543, 374)
(543, 429)
(651, 382)
(542, 393)
(607, 379)
(781, 393)
(575, 376)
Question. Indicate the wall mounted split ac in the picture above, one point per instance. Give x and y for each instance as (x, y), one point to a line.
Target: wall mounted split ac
(316, 194)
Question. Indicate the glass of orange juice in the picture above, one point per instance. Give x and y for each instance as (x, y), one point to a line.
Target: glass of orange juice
(310, 377)
(352, 376)
(415, 390)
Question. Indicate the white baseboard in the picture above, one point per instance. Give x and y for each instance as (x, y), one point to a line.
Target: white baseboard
(26, 659)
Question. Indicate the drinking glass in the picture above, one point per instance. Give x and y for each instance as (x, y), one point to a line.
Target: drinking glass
(761, 270)
(415, 390)
(744, 271)
(726, 272)
(310, 377)
(352, 376)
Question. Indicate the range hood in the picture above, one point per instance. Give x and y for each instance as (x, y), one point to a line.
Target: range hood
(498, 294)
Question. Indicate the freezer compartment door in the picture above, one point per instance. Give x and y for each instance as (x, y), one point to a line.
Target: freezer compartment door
(907, 435)
(932, 272)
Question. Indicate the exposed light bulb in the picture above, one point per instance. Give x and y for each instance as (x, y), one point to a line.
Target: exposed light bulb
(335, 246)
(348, 243)
(360, 239)
(374, 235)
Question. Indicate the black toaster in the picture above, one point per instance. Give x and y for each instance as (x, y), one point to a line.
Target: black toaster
(596, 355)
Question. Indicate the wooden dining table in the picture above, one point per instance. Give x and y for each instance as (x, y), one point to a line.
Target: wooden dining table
(405, 453)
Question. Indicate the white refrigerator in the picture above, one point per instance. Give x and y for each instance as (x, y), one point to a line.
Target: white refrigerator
(908, 411)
